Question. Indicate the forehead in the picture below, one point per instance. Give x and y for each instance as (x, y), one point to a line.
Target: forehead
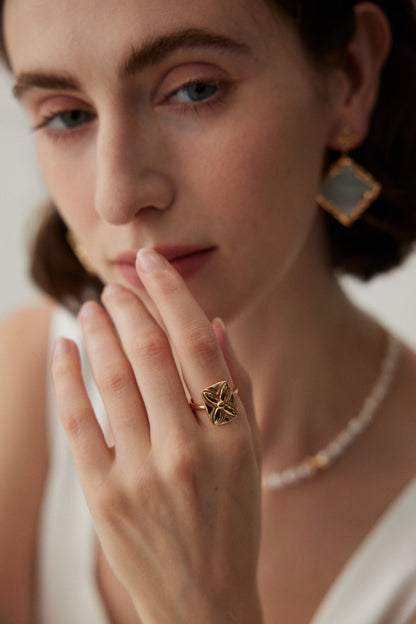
(54, 31)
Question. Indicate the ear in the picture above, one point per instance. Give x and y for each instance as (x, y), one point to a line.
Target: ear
(360, 72)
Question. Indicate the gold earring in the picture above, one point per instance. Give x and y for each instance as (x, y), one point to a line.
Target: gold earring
(348, 189)
(80, 253)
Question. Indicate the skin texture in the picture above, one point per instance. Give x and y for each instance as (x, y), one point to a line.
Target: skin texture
(149, 171)
(166, 461)
(23, 463)
(143, 167)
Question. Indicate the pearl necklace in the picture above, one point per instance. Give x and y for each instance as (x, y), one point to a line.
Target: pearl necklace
(324, 458)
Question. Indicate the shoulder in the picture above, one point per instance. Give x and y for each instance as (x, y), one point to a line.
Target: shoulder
(29, 323)
(24, 339)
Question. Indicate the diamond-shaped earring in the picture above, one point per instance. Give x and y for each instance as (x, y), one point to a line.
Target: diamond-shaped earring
(348, 189)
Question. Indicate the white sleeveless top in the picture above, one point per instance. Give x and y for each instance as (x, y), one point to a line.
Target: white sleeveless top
(376, 586)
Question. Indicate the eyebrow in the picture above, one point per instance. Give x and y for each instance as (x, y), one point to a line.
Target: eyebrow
(149, 54)
(31, 80)
(153, 52)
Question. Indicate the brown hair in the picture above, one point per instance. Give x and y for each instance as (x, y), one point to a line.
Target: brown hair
(385, 233)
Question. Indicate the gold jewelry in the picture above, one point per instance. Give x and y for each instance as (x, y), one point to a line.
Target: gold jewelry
(324, 458)
(219, 402)
(348, 189)
(80, 253)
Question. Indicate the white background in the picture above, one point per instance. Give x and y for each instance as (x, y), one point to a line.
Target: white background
(392, 298)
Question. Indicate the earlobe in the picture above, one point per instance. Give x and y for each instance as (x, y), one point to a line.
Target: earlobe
(362, 68)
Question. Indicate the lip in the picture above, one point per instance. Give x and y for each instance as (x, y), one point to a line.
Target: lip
(187, 260)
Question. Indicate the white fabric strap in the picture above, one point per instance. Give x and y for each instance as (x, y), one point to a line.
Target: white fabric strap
(67, 592)
(378, 584)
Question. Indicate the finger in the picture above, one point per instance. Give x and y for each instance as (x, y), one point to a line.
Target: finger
(241, 379)
(237, 371)
(91, 454)
(148, 350)
(116, 383)
(192, 335)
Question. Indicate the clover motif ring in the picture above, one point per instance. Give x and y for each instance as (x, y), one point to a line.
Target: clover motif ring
(219, 402)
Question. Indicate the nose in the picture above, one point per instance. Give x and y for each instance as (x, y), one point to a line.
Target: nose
(131, 172)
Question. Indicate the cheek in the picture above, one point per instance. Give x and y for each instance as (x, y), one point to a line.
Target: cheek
(69, 181)
(272, 175)
(261, 186)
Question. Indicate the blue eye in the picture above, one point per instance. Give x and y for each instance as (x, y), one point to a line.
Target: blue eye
(196, 92)
(72, 118)
(66, 120)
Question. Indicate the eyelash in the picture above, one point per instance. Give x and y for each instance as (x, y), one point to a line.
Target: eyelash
(64, 135)
(210, 102)
(185, 108)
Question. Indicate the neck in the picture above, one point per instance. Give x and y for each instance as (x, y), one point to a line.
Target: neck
(312, 358)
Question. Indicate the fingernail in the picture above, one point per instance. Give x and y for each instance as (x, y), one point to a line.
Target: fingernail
(220, 322)
(90, 309)
(61, 346)
(149, 261)
(111, 289)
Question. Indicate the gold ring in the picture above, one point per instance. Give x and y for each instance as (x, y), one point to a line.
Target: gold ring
(219, 402)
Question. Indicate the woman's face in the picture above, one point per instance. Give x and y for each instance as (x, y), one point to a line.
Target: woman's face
(197, 128)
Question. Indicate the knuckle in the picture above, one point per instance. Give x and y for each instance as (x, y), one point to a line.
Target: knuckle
(72, 425)
(183, 463)
(115, 379)
(201, 341)
(151, 346)
(111, 504)
(72, 421)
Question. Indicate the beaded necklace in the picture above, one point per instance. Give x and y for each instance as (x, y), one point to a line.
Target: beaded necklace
(325, 457)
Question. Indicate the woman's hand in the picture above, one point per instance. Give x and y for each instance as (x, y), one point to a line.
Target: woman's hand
(176, 501)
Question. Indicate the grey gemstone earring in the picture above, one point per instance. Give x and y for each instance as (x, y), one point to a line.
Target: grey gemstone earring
(348, 189)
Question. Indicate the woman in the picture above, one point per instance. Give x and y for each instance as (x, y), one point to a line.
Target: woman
(201, 134)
